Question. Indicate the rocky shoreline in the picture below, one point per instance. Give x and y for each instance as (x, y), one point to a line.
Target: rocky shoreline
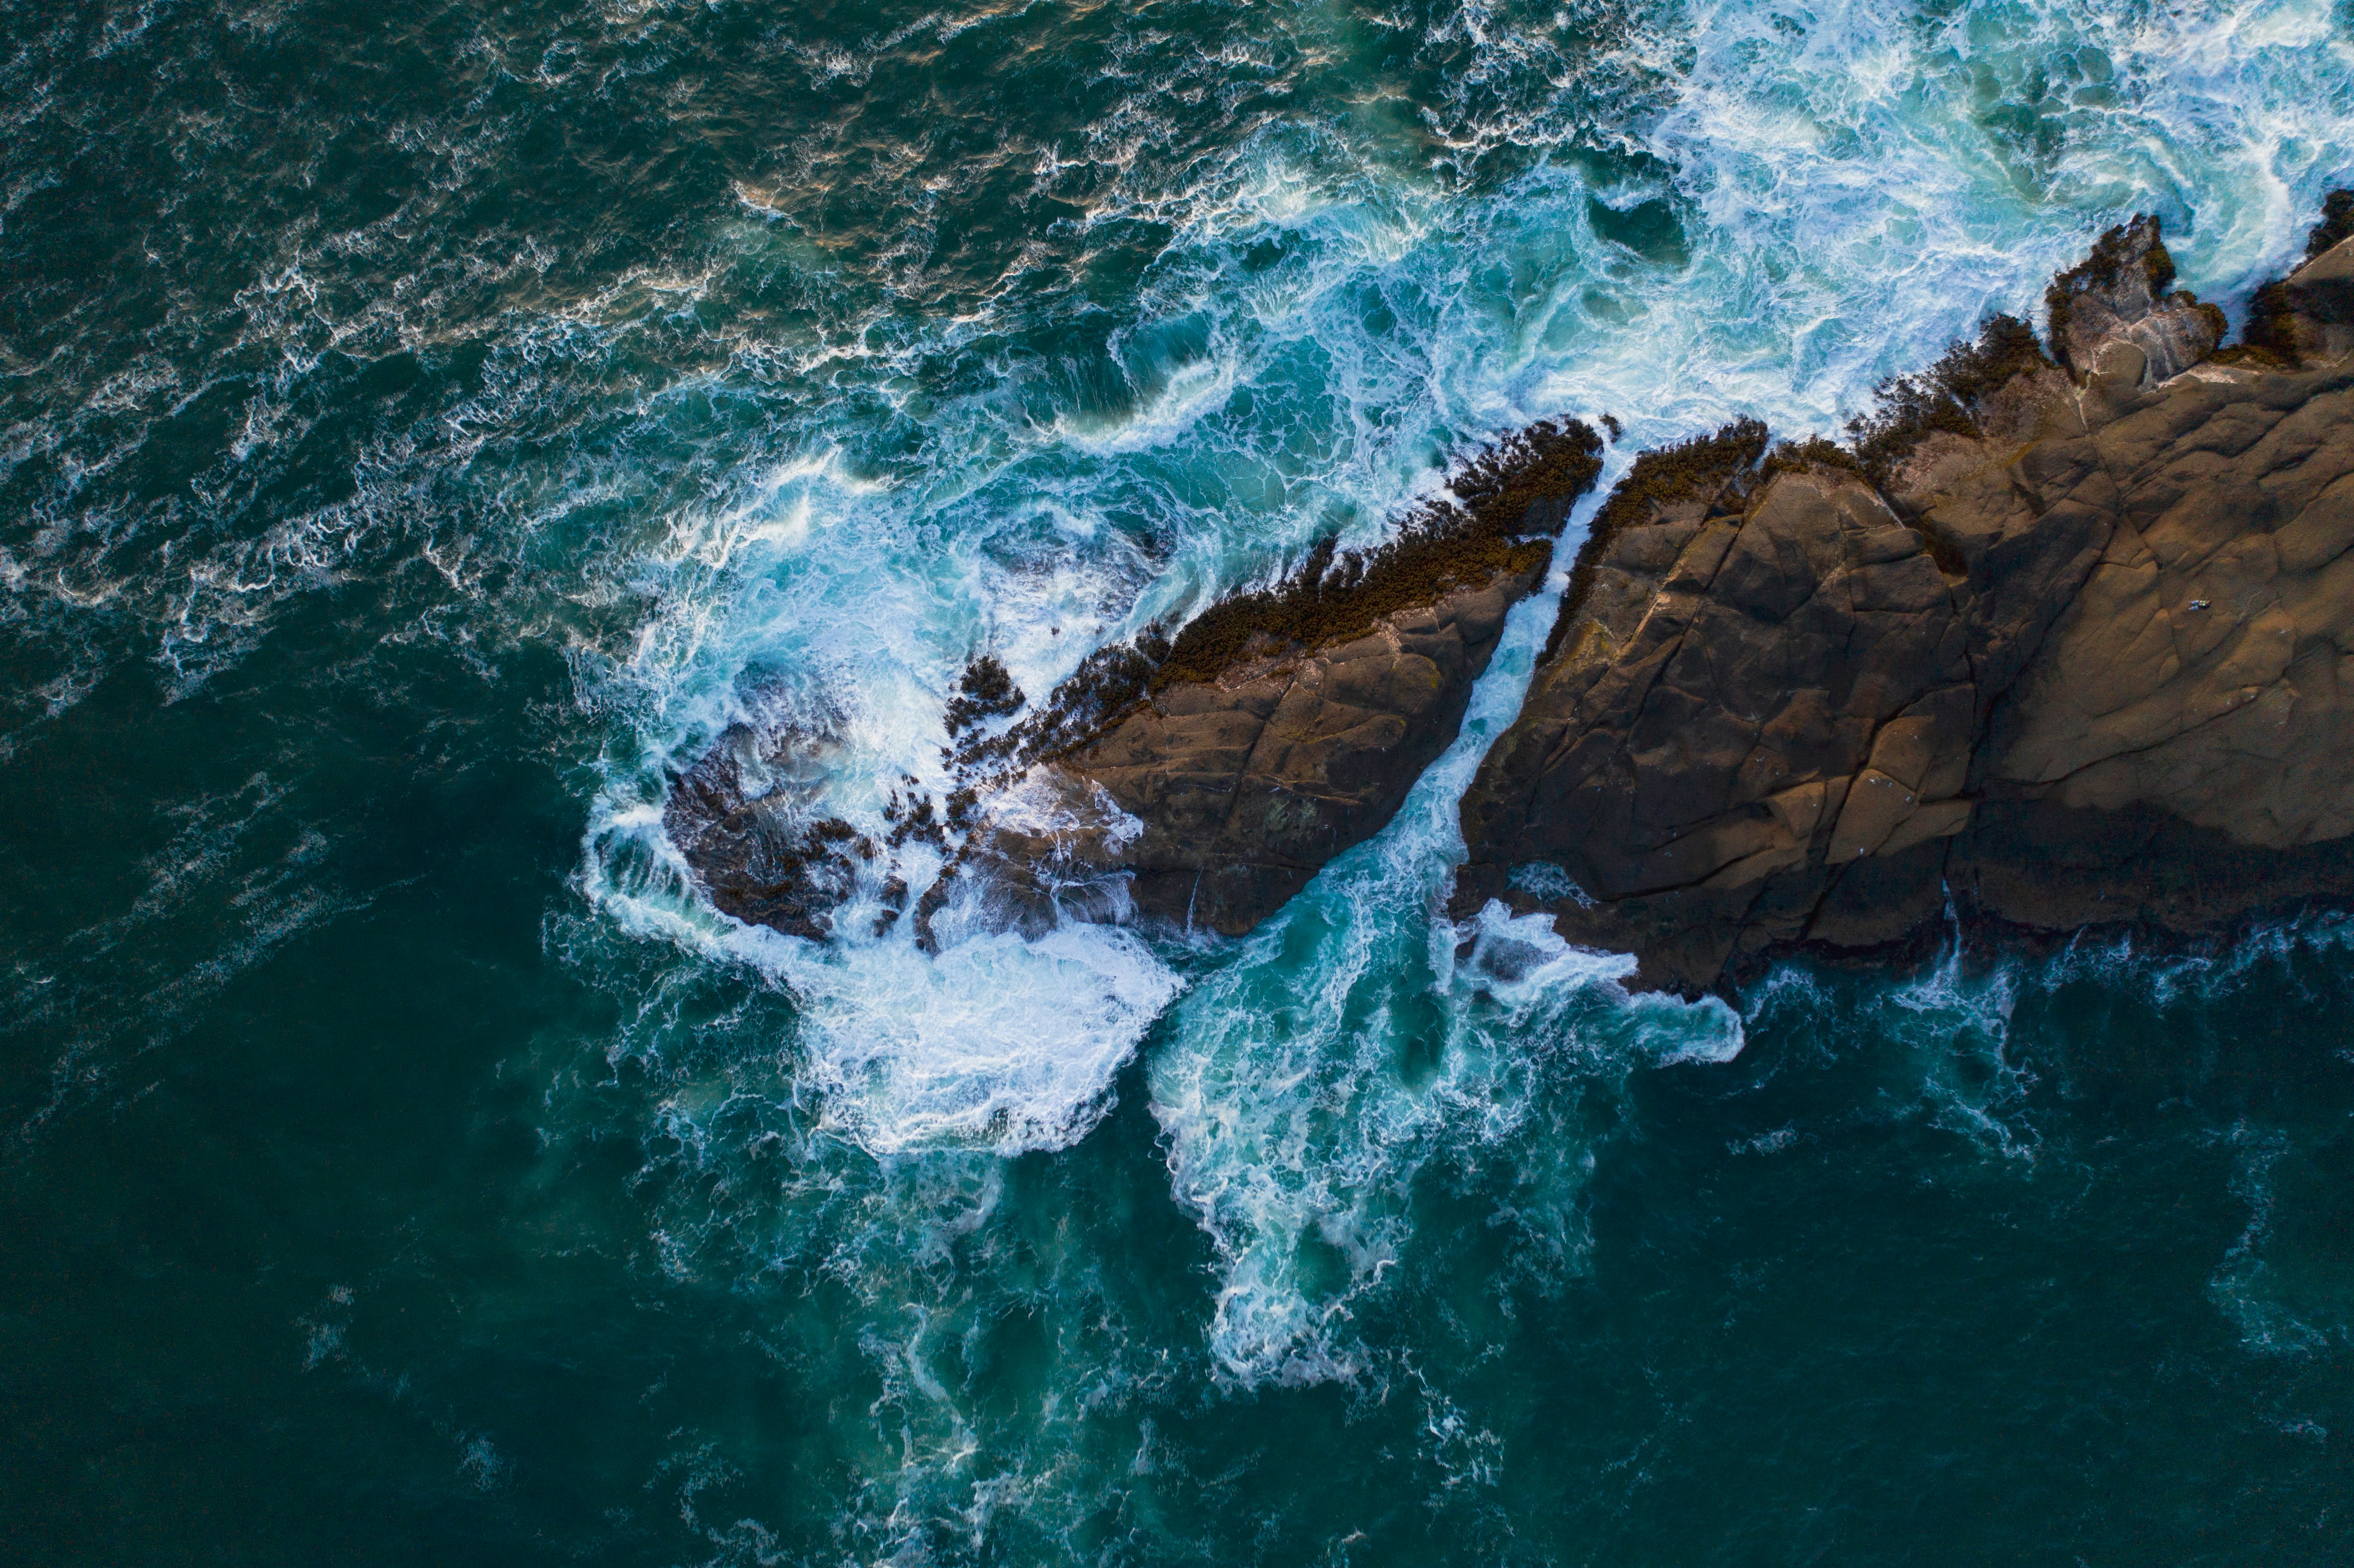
(2061, 637)
(2060, 641)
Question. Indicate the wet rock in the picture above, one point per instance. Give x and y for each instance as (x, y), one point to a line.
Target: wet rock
(2114, 321)
(2097, 674)
(1214, 801)
(1197, 780)
(744, 819)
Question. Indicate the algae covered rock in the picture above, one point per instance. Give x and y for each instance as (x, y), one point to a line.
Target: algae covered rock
(1215, 801)
(1281, 726)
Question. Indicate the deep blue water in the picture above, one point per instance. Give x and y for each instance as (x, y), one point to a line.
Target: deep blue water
(422, 428)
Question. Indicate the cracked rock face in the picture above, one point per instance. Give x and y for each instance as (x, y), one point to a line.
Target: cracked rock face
(1763, 690)
(1215, 802)
(2206, 662)
(2099, 669)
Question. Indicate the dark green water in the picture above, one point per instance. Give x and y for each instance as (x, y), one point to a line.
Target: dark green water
(421, 427)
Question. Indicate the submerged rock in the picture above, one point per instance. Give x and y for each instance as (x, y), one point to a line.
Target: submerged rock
(743, 821)
(2061, 649)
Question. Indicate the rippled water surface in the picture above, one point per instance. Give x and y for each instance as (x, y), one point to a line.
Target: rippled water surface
(423, 428)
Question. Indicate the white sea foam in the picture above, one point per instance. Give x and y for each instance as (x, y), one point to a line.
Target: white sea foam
(1308, 1078)
(2247, 1285)
(996, 1042)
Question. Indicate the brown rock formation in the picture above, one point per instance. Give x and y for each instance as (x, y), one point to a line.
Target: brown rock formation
(2087, 655)
(2111, 314)
(2305, 315)
(1282, 726)
(1221, 797)
(2058, 640)
(1199, 782)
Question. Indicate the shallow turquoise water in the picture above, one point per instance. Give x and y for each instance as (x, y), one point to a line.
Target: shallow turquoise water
(424, 426)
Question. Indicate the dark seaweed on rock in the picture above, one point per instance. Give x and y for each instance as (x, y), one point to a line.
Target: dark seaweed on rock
(2103, 269)
(1526, 479)
(2219, 323)
(1525, 483)
(986, 692)
(2269, 337)
(1801, 457)
(2336, 223)
(1951, 396)
(1700, 466)
(1502, 484)
(1107, 682)
(1692, 468)
(916, 821)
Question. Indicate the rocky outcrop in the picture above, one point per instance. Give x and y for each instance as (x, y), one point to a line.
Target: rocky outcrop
(1751, 656)
(1279, 729)
(2062, 637)
(2113, 316)
(1199, 780)
(1215, 801)
(2059, 644)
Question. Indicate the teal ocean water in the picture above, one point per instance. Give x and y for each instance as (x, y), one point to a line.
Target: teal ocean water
(424, 428)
